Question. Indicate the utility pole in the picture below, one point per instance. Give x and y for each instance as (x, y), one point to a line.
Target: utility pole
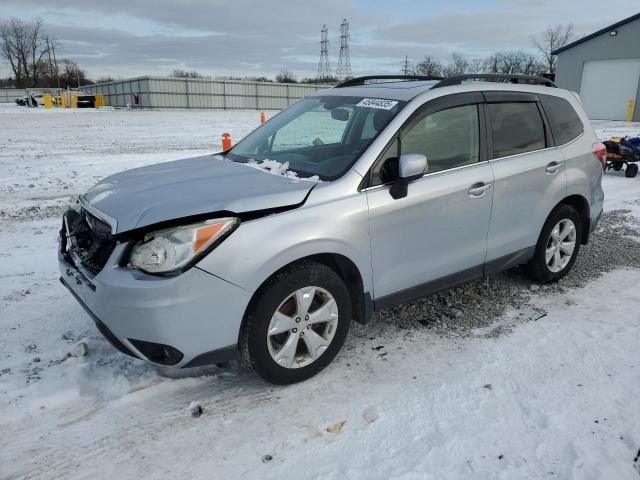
(50, 64)
(344, 62)
(324, 70)
(55, 62)
(406, 67)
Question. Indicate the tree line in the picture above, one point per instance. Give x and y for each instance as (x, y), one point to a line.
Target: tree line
(513, 62)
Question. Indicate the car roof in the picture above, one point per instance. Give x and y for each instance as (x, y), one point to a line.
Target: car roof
(407, 90)
(401, 90)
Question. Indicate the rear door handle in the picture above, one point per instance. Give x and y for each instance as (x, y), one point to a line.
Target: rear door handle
(478, 189)
(552, 168)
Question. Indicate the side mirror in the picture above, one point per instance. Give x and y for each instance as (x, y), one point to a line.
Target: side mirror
(411, 166)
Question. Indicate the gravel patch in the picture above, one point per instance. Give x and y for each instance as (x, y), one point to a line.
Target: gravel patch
(615, 244)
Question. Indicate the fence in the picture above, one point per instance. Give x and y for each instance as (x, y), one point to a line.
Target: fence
(158, 92)
(9, 95)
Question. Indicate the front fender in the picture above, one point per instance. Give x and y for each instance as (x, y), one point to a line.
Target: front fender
(259, 248)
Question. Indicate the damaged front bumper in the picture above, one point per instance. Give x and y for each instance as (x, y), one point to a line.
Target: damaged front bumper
(184, 320)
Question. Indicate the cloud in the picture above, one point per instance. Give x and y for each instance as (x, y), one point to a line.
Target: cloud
(125, 38)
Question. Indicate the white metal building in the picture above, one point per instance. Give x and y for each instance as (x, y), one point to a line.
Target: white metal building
(170, 92)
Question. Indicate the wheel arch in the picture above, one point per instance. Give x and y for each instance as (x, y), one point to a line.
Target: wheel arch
(581, 205)
(346, 269)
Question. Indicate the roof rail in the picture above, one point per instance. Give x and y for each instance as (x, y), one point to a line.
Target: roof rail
(353, 82)
(496, 77)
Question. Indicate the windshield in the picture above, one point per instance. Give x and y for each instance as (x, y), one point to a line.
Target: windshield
(321, 136)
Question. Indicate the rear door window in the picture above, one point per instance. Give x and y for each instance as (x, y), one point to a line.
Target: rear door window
(563, 119)
(516, 128)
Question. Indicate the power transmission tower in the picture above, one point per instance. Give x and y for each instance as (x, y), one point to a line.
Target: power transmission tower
(406, 66)
(324, 69)
(343, 70)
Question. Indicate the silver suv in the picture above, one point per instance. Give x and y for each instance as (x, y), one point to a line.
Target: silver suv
(351, 200)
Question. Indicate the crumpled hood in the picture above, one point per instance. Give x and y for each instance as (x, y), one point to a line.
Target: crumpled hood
(166, 191)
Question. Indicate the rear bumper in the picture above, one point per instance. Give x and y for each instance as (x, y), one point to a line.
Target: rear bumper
(186, 320)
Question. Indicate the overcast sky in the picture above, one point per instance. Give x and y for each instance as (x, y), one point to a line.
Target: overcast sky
(125, 38)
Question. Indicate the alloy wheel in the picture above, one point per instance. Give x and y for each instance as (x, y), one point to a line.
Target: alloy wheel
(560, 245)
(302, 327)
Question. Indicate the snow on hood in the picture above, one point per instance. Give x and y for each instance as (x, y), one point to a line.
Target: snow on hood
(156, 193)
(281, 169)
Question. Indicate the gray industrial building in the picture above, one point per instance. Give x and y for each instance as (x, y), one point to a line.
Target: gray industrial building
(171, 92)
(604, 68)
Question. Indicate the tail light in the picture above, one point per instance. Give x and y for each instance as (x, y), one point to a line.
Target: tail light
(600, 152)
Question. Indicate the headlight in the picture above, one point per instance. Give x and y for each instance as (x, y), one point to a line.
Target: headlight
(171, 249)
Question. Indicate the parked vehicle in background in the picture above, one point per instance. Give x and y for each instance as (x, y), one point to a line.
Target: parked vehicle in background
(30, 101)
(352, 200)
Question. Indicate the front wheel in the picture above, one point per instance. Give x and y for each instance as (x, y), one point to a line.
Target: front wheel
(296, 323)
(558, 245)
(631, 171)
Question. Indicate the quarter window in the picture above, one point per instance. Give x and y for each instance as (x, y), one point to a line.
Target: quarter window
(563, 119)
(516, 127)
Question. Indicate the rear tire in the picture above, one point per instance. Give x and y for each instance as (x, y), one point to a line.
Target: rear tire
(558, 245)
(631, 171)
(292, 303)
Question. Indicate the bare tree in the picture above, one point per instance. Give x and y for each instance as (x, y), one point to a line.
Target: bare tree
(430, 67)
(552, 39)
(477, 65)
(72, 75)
(285, 76)
(458, 66)
(513, 63)
(186, 74)
(24, 46)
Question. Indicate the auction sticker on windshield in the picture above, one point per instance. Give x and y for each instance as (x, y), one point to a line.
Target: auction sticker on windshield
(377, 103)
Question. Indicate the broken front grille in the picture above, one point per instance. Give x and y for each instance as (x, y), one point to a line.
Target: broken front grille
(86, 240)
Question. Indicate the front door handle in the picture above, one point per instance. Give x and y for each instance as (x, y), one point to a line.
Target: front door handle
(552, 168)
(477, 190)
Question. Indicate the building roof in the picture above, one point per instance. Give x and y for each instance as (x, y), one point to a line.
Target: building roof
(598, 33)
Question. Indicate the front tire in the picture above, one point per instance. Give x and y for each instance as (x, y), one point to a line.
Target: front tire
(296, 323)
(631, 171)
(558, 245)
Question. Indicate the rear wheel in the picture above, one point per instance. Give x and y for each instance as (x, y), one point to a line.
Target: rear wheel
(616, 166)
(296, 324)
(631, 171)
(558, 245)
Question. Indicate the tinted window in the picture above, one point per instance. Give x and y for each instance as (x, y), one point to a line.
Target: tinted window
(517, 128)
(563, 120)
(449, 138)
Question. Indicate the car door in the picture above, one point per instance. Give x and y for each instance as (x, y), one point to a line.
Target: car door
(530, 176)
(436, 235)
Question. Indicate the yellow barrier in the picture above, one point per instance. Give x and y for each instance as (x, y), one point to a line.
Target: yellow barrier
(46, 98)
(60, 101)
(630, 110)
(74, 101)
(99, 100)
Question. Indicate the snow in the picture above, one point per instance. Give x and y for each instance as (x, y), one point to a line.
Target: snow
(554, 396)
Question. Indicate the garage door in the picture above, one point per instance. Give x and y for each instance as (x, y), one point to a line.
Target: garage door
(607, 86)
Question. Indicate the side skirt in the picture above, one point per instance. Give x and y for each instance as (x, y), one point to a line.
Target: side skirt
(449, 281)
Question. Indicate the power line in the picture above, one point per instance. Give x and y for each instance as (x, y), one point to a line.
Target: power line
(343, 71)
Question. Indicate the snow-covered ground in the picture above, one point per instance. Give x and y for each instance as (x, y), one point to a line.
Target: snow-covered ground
(554, 396)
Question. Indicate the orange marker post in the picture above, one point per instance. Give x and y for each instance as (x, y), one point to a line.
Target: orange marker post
(263, 118)
(226, 141)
